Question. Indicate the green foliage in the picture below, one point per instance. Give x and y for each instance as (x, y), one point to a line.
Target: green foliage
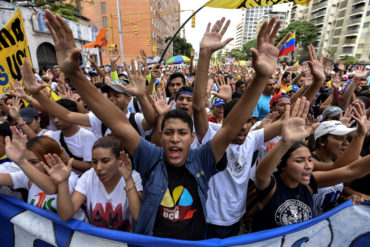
(247, 47)
(236, 53)
(180, 46)
(350, 60)
(305, 32)
(67, 11)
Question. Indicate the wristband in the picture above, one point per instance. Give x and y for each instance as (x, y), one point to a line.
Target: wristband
(128, 189)
(19, 125)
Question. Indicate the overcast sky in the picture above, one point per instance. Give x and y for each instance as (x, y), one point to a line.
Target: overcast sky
(194, 35)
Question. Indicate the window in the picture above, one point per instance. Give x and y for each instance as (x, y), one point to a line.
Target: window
(104, 8)
(105, 22)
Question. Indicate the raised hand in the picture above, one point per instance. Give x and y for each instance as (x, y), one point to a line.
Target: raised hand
(137, 85)
(224, 89)
(316, 65)
(17, 89)
(56, 169)
(269, 119)
(360, 73)
(160, 102)
(29, 79)
(16, 147)
(211, 41)
(68, 55)
(114, 56)
(335, 82)
(266, 54)
(15, 108)
(125, 166)
(143, 60)
(294, 125)
(347, 117)
(359, 114)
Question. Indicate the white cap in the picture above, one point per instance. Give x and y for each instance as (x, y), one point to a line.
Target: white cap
(332, 127)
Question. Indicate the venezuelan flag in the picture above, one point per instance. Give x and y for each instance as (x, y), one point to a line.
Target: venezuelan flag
(288, 46)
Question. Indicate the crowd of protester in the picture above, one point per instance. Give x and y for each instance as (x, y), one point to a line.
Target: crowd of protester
(187, 152)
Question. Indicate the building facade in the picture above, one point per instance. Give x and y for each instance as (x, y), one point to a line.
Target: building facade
(145, 24)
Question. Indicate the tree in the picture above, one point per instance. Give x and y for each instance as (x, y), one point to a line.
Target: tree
(236, 53)
(247, 48)
(180, 46)
(69, 11)
(350, 60)
(305, 34)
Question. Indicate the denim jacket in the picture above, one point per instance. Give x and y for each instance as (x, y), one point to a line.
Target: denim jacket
(149, 161)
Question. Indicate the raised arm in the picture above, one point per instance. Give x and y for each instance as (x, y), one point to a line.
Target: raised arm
(317, 72)
(15, 150)
(347, 95)
(50, 106)
(59, 172)
(264, 63)
(68, 60)
(210, 43)
(293, 131)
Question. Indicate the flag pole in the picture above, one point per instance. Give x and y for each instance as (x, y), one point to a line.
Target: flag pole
(173, 37)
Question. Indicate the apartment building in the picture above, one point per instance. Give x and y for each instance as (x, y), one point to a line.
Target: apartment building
(145, 24)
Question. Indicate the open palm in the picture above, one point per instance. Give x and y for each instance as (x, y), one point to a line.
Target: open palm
(29, 79)
(15, 148)
(56, 169)
(212, 38)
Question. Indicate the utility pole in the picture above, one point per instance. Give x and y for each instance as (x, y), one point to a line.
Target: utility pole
(120, 32)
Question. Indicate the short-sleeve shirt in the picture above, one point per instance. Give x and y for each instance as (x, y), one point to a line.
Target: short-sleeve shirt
(103, 209)
(262, 108)
(287, 206)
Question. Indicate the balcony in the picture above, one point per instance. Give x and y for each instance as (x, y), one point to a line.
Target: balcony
(348, 50)
(354, 2)
(319, 6)
(356, 21)
(357, 10)
(352, 30)
(318, 14)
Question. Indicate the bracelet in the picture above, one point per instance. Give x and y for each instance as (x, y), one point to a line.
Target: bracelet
(128, 189)
(19, 125)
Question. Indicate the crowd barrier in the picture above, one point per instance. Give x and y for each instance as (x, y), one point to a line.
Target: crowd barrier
(23, 225)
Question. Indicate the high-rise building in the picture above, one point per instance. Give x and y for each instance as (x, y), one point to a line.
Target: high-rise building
(145, 24)
(248, 28)
(351, 30)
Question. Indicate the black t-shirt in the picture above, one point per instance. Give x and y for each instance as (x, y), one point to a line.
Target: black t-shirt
(180, 214)
(287, 206)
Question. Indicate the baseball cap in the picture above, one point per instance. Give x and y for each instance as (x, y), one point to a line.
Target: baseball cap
(28, 114)
(331, 111)
(293, 88)
(276, 97)
(5, 129)
(332, 127)
(114, 87)
(218, 102)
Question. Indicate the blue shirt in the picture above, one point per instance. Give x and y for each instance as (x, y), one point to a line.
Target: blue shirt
(149, 160)
(262, 107)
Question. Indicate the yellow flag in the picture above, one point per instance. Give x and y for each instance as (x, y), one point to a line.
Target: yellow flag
(296, 63)
(237, 4)
(13, 51)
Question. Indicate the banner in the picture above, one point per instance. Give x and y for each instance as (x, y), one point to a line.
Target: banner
(24, 225)
(13, 50)
(237, 4)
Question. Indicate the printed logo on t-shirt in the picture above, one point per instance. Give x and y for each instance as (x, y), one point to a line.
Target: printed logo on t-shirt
(235, 164)
(177, 208)
(292, 211)
(42, 203)
(109, 217)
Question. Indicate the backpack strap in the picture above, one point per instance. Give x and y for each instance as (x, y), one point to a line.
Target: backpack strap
(132, 121)
(103, 129)
(136, 105)
(64, 145)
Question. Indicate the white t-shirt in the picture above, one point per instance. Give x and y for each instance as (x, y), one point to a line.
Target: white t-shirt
(326, 198)
(40, 199)
(96, 124)
(80, 144)
(227, 192)
(103, 209)
(9, 167)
